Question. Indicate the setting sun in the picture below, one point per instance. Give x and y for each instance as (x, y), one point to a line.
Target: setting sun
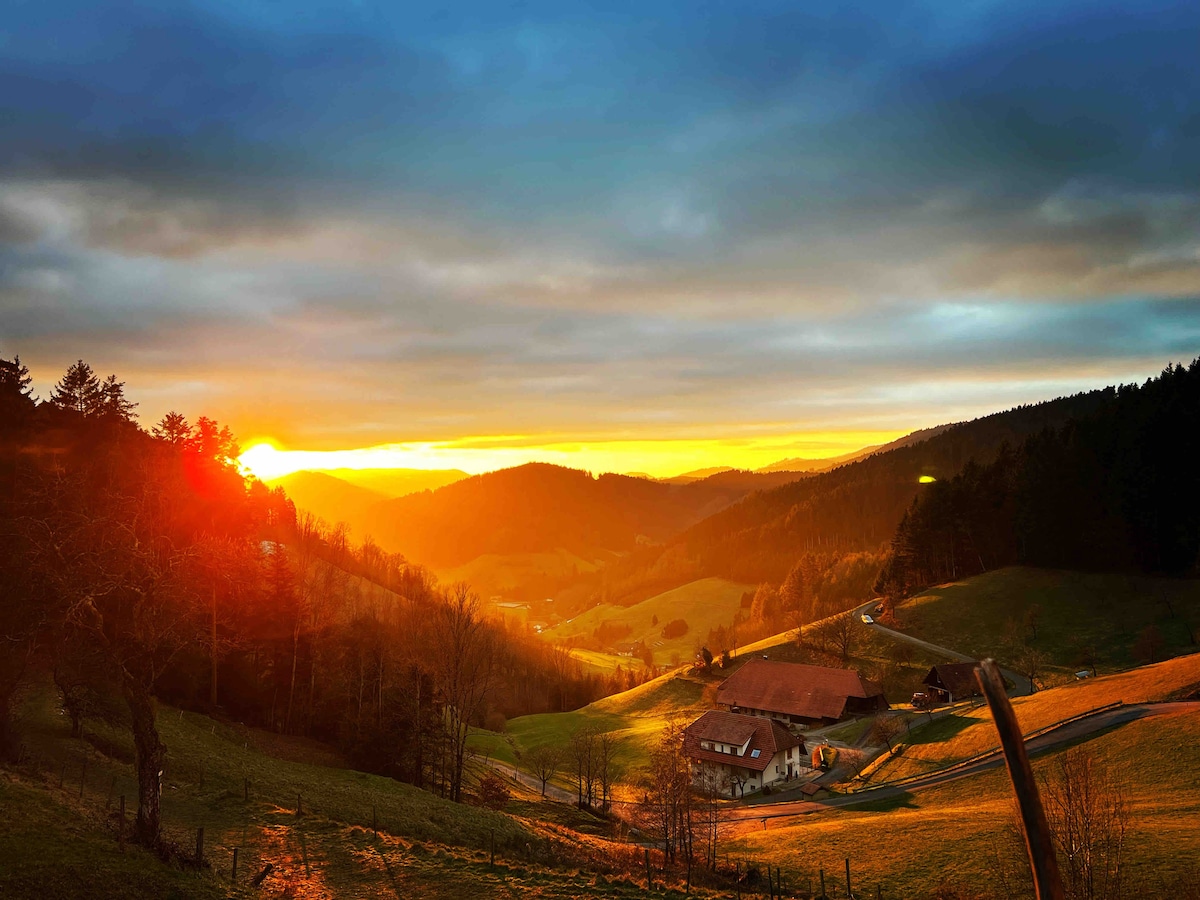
(487, 454)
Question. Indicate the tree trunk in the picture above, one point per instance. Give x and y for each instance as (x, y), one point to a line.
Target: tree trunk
(151, 755)
(287, 722)
(212, 650)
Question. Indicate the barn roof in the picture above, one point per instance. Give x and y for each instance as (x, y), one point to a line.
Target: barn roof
(957, 678)
(812, 692)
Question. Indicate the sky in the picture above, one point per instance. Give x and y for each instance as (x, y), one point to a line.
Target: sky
(651, 236)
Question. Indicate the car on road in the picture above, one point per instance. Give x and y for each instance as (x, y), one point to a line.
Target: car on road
(867, 620)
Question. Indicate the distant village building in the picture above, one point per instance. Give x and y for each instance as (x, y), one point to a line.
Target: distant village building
(952, 682)
(746, 753)
(799, 694)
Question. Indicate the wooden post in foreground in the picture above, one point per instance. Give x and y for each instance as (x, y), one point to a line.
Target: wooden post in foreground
(849, 893)
(649, 882)
(200, 846)
(233, 871)
(1047, 882)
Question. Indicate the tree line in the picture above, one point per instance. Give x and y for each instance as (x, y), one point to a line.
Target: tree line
(1115, 490)
(139, 566)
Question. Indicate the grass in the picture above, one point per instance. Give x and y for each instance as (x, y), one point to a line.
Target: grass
(604, 663)
(637, 716)
(504, 574)
(909, 845)
(967, 733)
(1104, 612)
(55, 843)
(706, 604)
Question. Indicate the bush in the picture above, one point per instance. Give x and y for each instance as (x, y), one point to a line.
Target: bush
(675, 629)
(493, 792)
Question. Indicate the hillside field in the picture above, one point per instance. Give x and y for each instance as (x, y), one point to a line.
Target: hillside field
(1074, 610)
(969, 732)
(706, 604)
(515, 575)
(57, 841)
(909, 846)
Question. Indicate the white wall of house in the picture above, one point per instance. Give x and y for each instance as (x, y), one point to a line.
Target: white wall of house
(740, 781)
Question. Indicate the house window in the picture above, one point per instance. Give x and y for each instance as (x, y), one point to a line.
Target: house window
(754, 754)
(705, 745)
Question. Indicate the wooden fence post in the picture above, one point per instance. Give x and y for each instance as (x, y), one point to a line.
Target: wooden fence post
(649, 881)
(262, 876)
(304, 851)
(299, 805)
(823, 895)
(200, 846)
(121, 825)
(849, 893)
(233, 871)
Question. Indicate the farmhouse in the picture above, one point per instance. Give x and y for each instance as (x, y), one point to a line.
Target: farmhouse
(952, 681)
(799, 694)
(744, 753)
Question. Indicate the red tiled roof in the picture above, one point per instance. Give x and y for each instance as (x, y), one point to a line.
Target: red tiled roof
(813, 692)
(765, 735)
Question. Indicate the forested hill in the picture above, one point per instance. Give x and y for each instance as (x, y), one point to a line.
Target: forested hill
(539, 507)
(853, 508)
(1117, 489)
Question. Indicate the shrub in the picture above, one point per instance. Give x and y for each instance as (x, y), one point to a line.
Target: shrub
(493, 792)
(675, 629)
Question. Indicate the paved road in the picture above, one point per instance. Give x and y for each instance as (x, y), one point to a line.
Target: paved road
(552, 792)
(1021, 684)
(1050, 740)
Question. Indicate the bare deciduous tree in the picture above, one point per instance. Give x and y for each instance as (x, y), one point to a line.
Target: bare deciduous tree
(462, 668)
(1088, 814)
(544, 761)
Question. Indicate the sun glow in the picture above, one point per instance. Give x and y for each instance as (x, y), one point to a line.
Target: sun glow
(486, 454)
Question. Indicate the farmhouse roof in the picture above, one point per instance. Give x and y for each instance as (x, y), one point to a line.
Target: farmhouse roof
(811, 788)
(812, 692)
(765, 736)
(957, 678)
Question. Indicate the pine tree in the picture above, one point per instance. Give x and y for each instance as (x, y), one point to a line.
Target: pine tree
(112, 400)
(15, 394)
(174, 429)
(80, 390)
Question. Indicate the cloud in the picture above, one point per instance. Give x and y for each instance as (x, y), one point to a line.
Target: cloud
(442, 224)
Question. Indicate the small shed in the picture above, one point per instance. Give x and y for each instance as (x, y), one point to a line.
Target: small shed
(814, 791)
(952, 682)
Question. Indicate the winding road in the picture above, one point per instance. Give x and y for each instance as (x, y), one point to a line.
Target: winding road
(1067, 733)
(1022, 686)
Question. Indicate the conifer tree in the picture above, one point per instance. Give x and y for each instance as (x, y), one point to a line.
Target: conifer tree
(79, 390)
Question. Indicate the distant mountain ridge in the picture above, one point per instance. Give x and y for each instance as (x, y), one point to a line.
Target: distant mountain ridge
(346, 495)
(540, 507)
(853, 507)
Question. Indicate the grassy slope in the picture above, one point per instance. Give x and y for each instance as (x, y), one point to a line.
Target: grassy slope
(637, 716)
(910, 845)
(56, 844)
(500, 574)
(1106, 612)
(963, 735)
(704, 605)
